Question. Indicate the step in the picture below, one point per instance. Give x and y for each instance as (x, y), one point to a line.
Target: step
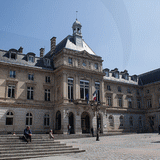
(35, 150)
(30, 144)
(39, 153)
(23, 142)
(38, 156)
(32, 147)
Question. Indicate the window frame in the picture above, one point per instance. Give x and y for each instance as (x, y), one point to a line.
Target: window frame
(12, 74)
(29, 119)
(70, 88)
(9, 118)
(46, 122)
(84, 89)
(47, 95)
(30, 93)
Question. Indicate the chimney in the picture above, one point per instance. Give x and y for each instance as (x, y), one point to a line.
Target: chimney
(41, 52)
(53, 43)
(20, 50)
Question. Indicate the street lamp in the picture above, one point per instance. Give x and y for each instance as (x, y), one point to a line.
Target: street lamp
(96, 107)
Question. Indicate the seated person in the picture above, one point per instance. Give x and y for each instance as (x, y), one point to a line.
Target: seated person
(51, 134)
(27, 134)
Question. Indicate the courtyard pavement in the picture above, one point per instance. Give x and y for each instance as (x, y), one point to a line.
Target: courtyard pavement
(118, 147)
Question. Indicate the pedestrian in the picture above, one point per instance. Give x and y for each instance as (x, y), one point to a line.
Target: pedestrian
(69, 128)
(51, 134)
(27, 134)
(92, 132)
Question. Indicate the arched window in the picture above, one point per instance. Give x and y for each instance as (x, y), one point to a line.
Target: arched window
(111, 121)
(9, 118)
(131, 121)
(121, 119)
(46, 120)
(29, 119)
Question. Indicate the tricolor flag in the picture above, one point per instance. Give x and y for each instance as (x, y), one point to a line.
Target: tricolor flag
(95, 95)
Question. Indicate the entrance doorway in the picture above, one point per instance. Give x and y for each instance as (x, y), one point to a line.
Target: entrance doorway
(71, 122)
(58, 120)
(85, 122)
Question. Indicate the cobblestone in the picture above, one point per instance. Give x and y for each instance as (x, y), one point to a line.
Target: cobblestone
(119, 147)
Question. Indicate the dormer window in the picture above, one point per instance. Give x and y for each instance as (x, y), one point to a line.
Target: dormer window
(30, 59)
(47, 62)
(125, 76)
(134, 78)
(106, 71)
(13, 55)
(116, 74)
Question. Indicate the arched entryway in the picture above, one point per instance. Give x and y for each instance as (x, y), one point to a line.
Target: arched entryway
(99, 122)
(58, 120)
(85, 122)
(71, 122)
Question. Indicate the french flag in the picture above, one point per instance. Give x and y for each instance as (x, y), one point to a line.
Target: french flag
(95, 95)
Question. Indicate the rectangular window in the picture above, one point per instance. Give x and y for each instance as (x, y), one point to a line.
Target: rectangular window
(84, 89)
(47, 94)
(70, 88)
(97, 86)
(128, 90)
(149, 103)
(9, 121)
(12, 74)
(96, 65)
(13, 55)
(31, 59)
(109, 101)
(11, 91)
(138, 103)
(30, 93)
(48, 79)
(69, 60)
(120, 101)
(129, 103)
(108, 88)
(31, 77)
(119, 89)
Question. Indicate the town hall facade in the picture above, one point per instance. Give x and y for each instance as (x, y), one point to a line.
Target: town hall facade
(56, 89)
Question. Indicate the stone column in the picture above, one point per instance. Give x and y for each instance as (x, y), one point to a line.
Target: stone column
(77, 124)
(77, 88)
(65, 88)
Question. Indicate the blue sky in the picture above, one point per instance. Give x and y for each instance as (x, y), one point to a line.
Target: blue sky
(125, 33)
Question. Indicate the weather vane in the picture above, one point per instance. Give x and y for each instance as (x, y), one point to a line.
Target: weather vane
(76, 14)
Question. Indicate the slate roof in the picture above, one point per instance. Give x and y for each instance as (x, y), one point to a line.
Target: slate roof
(22, 60)
(69, 43)
(149, 77)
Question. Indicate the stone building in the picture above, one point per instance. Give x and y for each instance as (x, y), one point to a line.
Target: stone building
(56, 89)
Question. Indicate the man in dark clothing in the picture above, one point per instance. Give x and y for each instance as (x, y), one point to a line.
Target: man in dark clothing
(27, 134)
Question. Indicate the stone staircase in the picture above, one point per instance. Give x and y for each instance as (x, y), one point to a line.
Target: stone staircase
(13, 147)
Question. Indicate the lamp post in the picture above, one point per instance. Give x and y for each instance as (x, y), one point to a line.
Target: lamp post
(96, 107)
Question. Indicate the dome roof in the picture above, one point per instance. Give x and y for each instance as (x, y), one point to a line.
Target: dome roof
(76, 23)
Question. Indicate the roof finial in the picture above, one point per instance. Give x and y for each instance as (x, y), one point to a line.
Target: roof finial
(76, 14)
